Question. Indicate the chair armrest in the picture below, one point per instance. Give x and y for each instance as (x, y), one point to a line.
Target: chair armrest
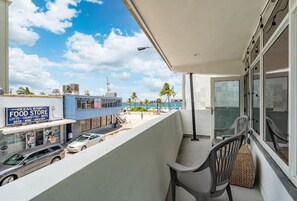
(181, 168)
(184, 169)
(226, 136)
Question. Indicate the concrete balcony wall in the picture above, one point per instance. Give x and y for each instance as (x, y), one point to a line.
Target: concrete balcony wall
(270, 186)
(131, 166)
(203, 122)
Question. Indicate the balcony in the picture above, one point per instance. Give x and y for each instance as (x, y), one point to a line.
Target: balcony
(130, 166)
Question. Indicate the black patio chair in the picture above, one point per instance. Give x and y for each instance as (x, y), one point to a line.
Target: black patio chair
(210, 179)
(239, 126)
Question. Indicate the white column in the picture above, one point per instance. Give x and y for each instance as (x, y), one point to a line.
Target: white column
(184, 91)
(4, 83)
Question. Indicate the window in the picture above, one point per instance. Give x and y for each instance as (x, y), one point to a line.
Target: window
(255, 51)
(256, 98)
(54, 148)
(278, 14)
(85, 125)
(96, 123)
(276, 69)
(103, 121)
(246, 94)
(85, 103)
(109, 120)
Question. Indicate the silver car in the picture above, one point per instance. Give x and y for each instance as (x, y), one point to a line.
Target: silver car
(84, 141)
(29, 160)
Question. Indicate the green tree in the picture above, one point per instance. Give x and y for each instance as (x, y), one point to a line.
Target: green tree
(129, 101)
(159, 103)
(146, 102)
(134, 97)
(167, 91)
(24, 91)
(42, 93)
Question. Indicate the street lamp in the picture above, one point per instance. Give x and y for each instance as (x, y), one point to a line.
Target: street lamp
(142, 48)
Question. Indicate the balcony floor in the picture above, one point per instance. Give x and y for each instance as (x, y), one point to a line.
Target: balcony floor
(193, 153)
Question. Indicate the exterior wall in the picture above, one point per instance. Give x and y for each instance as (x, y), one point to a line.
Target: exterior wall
(4, 45)
(76, 129)
(32, 101)
(131, 166)
(71, 111)
(271, 187)
(203, 122)
(92, 113)
(201, 87)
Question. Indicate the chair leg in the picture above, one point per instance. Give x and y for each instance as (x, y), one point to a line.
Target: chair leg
(173, 189)
(229, 192)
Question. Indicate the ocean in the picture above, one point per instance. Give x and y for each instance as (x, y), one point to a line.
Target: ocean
(173, 105)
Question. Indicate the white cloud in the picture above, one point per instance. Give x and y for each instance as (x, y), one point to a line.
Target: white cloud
(118, 51)
(95, 1)
(30, 70)
(77, 76)
(121, 76)
(153, 84)
(24, 15)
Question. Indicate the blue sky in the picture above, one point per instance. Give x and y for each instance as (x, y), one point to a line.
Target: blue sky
(56, 42)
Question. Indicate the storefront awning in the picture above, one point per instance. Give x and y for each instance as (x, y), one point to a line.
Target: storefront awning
(18, 129)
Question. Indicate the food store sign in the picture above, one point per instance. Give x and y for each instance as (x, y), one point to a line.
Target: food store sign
(22, 115)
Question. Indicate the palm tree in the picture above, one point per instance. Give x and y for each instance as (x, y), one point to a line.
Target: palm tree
(24, 91)
(129, 101)
(167, 91)
(159, 103)
(146, 102)
(134, 97)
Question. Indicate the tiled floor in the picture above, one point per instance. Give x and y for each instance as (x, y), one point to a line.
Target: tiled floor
(193, 153)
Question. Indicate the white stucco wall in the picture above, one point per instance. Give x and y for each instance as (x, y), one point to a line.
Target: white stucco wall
(31, 101)
(201, 86)
(4, 44)
(271, 187)
(129, 167)
(203, 122)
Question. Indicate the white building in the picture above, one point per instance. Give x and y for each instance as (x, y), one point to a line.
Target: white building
(22, 117)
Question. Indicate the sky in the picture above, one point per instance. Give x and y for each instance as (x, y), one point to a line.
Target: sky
(58, 42)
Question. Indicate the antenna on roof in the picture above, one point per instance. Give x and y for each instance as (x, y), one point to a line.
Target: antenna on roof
(107, 85)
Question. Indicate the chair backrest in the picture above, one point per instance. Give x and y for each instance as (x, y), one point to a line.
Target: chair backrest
(240, 124)
(275, 133)
(221, 161)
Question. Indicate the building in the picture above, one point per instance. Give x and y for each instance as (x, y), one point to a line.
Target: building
(27, 121)
(90, 112)
(255, 41)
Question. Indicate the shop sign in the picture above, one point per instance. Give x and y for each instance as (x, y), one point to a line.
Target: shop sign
(22, 115)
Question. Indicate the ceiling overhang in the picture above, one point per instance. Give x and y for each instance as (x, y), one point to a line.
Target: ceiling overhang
(198, 36)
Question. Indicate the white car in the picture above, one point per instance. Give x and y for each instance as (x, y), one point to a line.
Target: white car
(84, 141)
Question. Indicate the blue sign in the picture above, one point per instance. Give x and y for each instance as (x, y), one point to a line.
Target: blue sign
(23, 115)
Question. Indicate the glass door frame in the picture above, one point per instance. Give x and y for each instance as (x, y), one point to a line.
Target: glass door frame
(212, 95)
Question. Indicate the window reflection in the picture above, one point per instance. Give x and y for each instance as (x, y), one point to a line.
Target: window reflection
(256, 98)
(246, 94)
(276, 95)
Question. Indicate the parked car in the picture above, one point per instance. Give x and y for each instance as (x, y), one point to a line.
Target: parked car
(29, 160)
(84, 141)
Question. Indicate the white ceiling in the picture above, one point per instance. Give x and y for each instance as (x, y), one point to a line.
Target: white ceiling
(217, 31)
